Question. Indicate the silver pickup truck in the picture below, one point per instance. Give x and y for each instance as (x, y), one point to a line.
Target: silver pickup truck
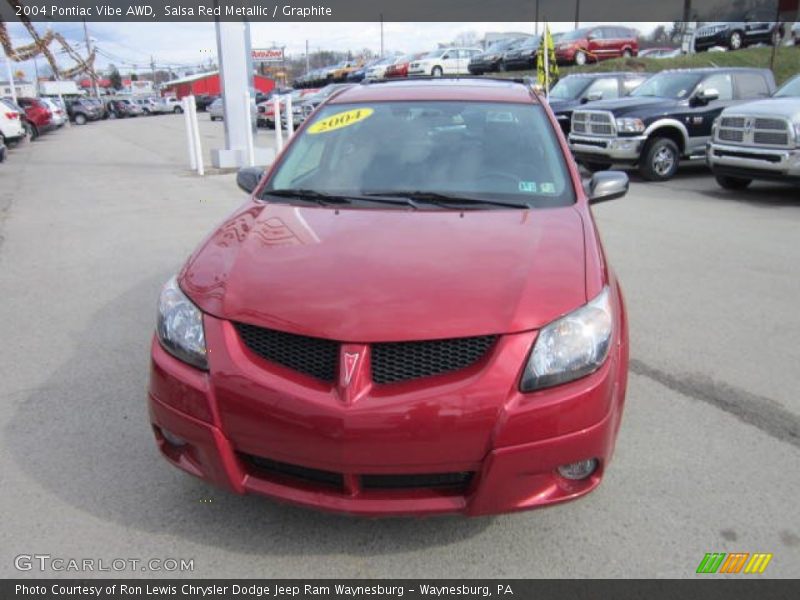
(758, 140)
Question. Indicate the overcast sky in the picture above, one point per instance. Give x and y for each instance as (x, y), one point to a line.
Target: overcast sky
(188, 44)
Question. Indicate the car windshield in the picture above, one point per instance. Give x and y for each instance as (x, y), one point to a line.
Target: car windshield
(501, 46)
(569, 36)
(790, 89)
(466, 154)
(668, 85)
(569, 88)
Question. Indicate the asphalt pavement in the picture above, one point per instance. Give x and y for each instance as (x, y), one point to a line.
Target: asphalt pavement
(94, 219)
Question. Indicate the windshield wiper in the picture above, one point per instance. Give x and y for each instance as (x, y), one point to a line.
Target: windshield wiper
(445, 200)
(321, 198)
(325, 198)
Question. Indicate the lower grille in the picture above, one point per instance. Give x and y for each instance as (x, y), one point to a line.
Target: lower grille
(312, 356)
(317, 476)
(434, 480)
(403, 361)
(273, 468)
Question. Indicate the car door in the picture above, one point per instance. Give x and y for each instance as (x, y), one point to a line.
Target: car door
(700, 116)
(450, 61)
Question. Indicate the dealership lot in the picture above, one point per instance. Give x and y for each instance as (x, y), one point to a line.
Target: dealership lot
(95, 219)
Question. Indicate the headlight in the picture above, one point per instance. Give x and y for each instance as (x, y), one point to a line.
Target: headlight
(571, 347)
(628, 125)
(180, 326)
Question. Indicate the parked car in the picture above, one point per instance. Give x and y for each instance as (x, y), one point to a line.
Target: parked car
(736, 35)
(12, 122)
(59, 116)
(796, 34)
(758, 140)
(444, 228)
(310, 102)
(579, 89)
(399, 68)
(521, 56)
(266, 110)
(2, 149)
(340, 73)
(120, 109)
(216, 110)
(491, 59)
(148, 105)
(204, 101)
(377, 71)
(593, 44)
(168, 104)
(83, 110)
(38, 118)
(666, 119)
(444, 61)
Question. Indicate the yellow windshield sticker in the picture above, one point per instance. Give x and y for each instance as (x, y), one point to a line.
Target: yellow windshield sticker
(339, 120)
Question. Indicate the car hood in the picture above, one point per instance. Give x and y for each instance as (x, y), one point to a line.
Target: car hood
(390, 275)
(788, 107)
(638, 105)
(560, 106)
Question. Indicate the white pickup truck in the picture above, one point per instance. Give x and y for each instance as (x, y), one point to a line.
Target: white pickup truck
(758, 140)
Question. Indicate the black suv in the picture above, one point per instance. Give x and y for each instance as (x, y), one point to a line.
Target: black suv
(573, 91)
(738, 34)
(667, 118)
(82, 110)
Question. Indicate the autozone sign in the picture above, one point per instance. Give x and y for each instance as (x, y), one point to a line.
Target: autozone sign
(267, 54)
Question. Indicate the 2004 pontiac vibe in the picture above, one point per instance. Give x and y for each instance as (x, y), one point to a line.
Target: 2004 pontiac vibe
(412, 314)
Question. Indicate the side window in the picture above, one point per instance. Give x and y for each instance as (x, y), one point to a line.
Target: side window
(751, 85)
(631, 83)
(607, 86)
(722, 82)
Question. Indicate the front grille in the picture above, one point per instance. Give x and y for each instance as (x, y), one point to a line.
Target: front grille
(316, 476)
(731, 135)
(593, 123)
(771, 138)
(423, 480)
(403, 361)
(312, 356)
(761, 131)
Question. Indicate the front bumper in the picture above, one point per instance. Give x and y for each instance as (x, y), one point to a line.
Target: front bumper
(754, 162)
(623, 150)
(709, 41)
(324, 455)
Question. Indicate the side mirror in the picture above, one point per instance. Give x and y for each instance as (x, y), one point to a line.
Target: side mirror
(247, 178)
(707, 95)
(607, 185)
(445, 57)
(596, 95)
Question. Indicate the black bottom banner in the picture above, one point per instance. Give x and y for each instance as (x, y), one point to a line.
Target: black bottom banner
(321, 589)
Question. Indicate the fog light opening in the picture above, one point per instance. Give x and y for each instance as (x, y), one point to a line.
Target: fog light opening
(172, 439)
(578, 470)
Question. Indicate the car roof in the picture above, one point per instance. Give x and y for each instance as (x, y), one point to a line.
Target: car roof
(704, 70)
(470, 89)
(609, 74)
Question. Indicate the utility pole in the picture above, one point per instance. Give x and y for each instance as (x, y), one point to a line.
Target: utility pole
(536, 26)
(381, 35)
(153, 71)
(36, 74)
(577, 13)
(92, 73)
(11, 83)
(308, 68)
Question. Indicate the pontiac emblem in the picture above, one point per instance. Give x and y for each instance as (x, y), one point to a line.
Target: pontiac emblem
(350, 362)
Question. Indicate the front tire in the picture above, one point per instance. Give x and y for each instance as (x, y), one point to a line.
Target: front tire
(178, 110)
(732, 183)
(659, 161)
(735, 41)
(437, 72)
(627, 53)
(580, 58)
(80, 119)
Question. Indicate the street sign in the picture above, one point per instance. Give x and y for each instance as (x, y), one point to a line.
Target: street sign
(267, 55)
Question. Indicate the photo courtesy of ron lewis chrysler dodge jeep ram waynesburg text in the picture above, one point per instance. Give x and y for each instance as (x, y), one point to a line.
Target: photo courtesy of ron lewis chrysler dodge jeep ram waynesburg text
(666, 119)
(412, 314)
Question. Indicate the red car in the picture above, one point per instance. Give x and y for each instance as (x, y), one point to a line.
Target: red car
(412, 314)
(593, 44)
(38, 117)
(399, 68)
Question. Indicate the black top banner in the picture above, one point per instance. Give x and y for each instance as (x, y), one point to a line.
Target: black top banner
(368, 589)
(610, 11)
